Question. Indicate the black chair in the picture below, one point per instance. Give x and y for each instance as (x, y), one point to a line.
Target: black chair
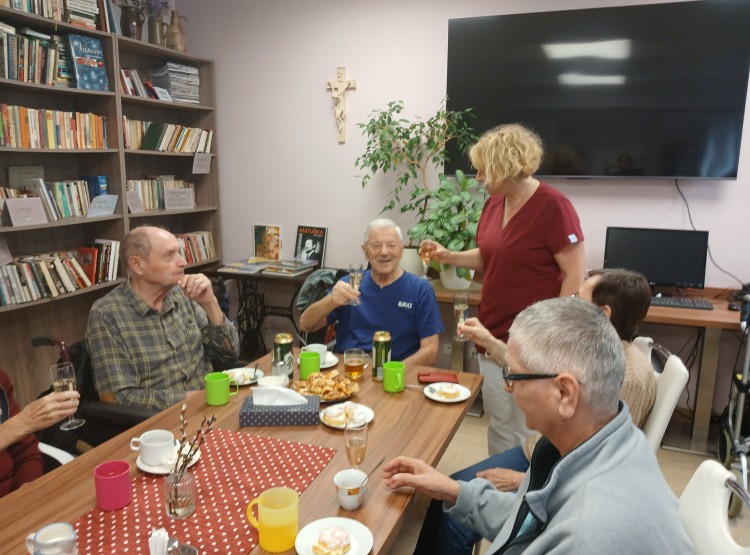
(103, 420)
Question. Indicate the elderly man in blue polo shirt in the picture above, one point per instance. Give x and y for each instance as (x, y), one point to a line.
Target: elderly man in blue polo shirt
(390, 299)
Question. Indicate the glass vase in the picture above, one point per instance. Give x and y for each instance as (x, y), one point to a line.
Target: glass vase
(156, 30)
(179, 495)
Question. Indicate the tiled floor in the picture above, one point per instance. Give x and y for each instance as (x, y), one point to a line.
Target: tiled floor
(470, 446)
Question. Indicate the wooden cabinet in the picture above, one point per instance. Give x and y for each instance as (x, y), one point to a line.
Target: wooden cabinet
(66, 315)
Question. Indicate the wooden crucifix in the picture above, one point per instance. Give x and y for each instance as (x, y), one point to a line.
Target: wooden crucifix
(338, 90)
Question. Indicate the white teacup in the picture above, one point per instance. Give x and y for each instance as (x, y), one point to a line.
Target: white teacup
(351, 488)
(54, 539)
(319, 348)
(157, 447)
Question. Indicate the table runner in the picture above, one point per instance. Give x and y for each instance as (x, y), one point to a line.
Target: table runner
(233, 469)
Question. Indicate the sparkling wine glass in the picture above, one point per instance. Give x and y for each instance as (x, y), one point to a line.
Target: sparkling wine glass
(425, 255)
(64, 379)
(355, 436)
(460, 309)
(355, 279)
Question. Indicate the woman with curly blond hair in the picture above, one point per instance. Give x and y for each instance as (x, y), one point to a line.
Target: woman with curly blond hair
(530, 248)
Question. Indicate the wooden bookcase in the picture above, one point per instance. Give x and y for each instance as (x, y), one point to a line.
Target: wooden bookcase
(66, 315)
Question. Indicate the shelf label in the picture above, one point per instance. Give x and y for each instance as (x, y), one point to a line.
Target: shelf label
(5, 256)
(24, 211)
(175, 199)
(202, 162)
(135, 204)
(103, 205)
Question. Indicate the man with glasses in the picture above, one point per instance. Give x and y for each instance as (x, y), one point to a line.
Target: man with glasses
(624, 297)
(390, 299)
(593, 483)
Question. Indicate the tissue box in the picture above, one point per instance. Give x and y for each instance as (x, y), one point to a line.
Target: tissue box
(292, 415)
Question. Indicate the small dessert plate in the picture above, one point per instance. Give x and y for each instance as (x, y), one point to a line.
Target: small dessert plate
(432, 391)
(360, 537)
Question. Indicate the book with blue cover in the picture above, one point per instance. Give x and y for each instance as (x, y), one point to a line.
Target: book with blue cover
(87, 59)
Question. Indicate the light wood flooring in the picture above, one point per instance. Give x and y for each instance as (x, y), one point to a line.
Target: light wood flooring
(470, 445)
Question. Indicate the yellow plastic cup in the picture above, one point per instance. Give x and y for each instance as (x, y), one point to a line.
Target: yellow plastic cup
(278, 518)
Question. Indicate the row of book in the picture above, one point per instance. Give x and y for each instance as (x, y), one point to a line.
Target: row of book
(180, 80)
(61, 199)
(197, 246)
(286, 267)
(132, 84)
(52, 9)
(24, 127)
(165, 137)
(43, 276)
(30, 56)
(84, 13)
(151, 191)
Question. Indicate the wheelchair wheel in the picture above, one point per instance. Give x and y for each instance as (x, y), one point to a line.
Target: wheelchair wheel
(735, 506)
(726, 455)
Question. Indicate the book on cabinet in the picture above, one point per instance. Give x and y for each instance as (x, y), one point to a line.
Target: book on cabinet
(50, 307)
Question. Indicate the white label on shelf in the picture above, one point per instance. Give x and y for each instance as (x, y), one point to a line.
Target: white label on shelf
(103, 205)
(163, 94)
(179, 198)
(135, 204)
(5, 256)
(202, 162)
(25, 211)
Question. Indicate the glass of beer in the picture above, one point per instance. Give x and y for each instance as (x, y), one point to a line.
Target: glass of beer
(425, 254)
(355, 436)
(354, 363)
(64, 379)
(355, 279)
(460, 310)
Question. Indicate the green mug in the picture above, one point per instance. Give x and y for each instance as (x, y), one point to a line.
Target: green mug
(218, 388)
(309, 363)
(393, 376)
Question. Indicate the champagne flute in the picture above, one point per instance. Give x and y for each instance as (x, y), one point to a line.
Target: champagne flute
(425, 254)
(355, 436)
(355, 280)
(64, 379)
(460, 310)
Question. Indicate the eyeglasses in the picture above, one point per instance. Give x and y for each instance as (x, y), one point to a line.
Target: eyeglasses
(510, 378)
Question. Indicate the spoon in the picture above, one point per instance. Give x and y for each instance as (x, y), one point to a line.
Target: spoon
(381, 461)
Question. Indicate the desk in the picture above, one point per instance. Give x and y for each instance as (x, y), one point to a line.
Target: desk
(68, 492)
(712, 323)
(253, 309)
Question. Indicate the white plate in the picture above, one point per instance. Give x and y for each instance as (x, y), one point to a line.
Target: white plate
(431, 393)
(165, 468)
(244, 376)
(359, 535)
(361, 411)
(331, 361)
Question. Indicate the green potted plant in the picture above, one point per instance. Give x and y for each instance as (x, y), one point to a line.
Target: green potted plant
(414, 148)
(451, 217)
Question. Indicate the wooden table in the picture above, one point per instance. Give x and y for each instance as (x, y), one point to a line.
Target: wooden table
(406, 423)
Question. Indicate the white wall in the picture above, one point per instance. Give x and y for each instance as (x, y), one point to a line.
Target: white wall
(280, 162)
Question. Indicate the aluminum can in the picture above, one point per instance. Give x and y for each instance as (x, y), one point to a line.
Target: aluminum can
(282, 352)
(381, 353)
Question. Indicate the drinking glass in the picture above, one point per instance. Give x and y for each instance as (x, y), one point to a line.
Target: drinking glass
(64, 379)
(425, 255)
(355, 279)
(355, 436)
(460, 309)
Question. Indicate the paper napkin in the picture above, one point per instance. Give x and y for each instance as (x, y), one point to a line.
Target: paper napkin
(277, 397)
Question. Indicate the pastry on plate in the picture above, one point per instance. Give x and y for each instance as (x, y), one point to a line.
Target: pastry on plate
(333, 540)
(448, 391)
(338, 415)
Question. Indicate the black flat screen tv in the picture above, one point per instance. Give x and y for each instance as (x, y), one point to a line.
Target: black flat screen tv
(668, 257)
(652, 91)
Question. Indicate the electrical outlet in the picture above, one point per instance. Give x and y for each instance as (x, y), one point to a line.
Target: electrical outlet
(447, 348)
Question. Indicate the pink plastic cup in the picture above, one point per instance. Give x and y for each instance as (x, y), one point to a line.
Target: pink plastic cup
(113, 487)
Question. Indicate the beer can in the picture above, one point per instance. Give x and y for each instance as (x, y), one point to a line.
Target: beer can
(381, 353)
(282, 352)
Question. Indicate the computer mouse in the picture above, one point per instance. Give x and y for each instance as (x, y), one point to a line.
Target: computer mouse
(735, 306)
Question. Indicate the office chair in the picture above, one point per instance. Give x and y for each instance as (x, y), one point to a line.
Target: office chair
(703, 510)
(669, 385)
(656, 353)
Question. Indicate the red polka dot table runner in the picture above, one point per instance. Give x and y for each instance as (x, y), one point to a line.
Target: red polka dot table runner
(233, 469)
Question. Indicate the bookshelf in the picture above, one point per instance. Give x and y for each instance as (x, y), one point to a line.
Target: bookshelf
(66, 315)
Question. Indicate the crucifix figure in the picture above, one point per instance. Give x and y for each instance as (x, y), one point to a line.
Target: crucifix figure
(338, 90)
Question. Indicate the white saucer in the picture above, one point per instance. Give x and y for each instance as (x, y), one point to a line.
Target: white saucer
(163, 468)
(431, 393)
(331, 361)
(359, 535)
(361, 412)
(244, 376)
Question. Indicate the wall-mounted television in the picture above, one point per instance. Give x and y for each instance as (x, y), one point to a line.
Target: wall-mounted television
(652, 91)
(668, 257)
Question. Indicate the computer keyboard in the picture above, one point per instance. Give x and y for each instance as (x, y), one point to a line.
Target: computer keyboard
(682, 302)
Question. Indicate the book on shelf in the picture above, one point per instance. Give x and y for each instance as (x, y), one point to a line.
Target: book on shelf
(287, 268)
(267, 241)
(87, 59)
(88, 258)
(250, 266)
(196, 246)
(63, 69)
(310, 243)
(97, 185)
(109, 251)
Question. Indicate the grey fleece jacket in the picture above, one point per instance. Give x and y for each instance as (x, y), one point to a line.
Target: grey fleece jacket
(606, 496)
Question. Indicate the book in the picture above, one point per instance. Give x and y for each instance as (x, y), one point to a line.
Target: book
(267, 241)
(250, 266)
(97, 185)
(310, 243)
(87, 258)
(285, 272)
(87, 59)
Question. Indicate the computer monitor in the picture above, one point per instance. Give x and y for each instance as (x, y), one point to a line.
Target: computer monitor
(667, 257)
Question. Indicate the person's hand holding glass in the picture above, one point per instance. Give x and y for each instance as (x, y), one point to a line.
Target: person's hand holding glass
(64, 379)
(461, 310)
(355, 280)
(355, 436)
(425, 255)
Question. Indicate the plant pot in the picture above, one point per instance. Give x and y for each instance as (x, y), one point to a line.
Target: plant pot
(410, 261)
(451, 281)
